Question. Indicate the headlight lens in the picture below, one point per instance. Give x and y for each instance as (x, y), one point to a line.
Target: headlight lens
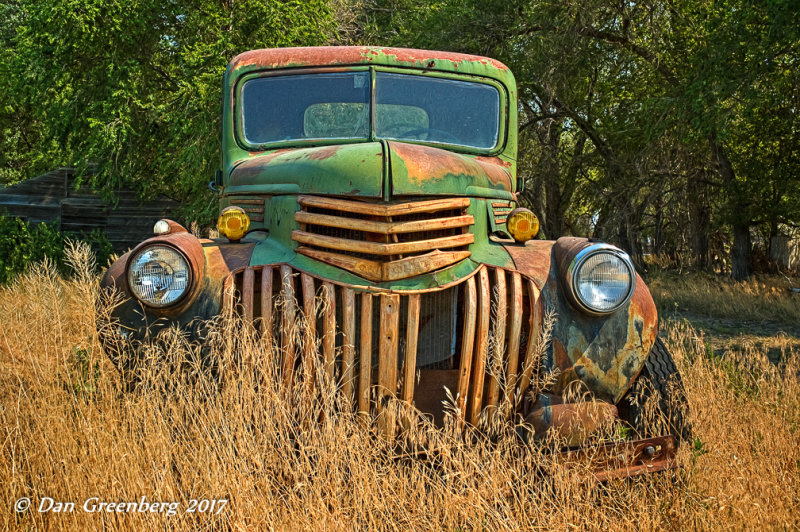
(602, 279)
(159, 276)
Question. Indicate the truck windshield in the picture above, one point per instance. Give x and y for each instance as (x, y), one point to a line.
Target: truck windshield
(411, 107)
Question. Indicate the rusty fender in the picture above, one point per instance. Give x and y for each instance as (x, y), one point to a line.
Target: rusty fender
(604, 353)
(210, 262)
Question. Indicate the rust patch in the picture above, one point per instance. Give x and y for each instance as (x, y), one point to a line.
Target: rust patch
(425, 163)
(346, 55)
(573, 421)
(532, 259)
(560, 357)
(256, 162)
(320, 154)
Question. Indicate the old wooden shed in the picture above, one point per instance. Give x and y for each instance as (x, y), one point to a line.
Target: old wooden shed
(53, 196)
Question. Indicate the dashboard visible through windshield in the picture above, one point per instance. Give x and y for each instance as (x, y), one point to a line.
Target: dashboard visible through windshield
(337, 105)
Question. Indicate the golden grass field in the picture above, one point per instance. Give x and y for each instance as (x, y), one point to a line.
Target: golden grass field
(70, 433)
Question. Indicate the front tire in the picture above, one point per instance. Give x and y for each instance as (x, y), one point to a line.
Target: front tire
(656, 403)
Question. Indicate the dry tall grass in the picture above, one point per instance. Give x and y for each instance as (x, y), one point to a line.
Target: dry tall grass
(70, 433)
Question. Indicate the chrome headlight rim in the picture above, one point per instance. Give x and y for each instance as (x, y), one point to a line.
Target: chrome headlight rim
(575, 267)
(189, 267)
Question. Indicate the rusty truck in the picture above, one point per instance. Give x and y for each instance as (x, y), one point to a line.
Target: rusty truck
(385, 181)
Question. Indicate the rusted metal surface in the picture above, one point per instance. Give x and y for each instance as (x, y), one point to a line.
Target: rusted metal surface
(496, 350)
(387, 271)
(410, 358)
(329, 329)
(535, 326)
(439, 171)
(384, 209)
(348, 341)
(481, 346)
(288, 328)
(379, 248)
(514, 334)
(467, 343)
(274, 58)
(388, 343)
(574, 422)
(383, 235)
(365, 377)
(532, 259)
(385, 228)
(626, 459)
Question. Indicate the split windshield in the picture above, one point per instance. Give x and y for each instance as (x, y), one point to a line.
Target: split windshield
(324, 106)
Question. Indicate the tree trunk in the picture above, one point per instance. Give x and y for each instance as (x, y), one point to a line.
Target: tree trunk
(740, 268)
(700, 218)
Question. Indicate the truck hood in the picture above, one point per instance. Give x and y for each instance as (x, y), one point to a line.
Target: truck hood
(362, 170)
(417, 169)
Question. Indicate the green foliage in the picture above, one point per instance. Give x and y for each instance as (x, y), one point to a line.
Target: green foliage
(668, 123)
(132, 89)
(23, 244)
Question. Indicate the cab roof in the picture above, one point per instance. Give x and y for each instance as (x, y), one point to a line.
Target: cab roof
(323, 56)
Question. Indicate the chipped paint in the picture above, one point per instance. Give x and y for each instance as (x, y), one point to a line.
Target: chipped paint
(438, 171)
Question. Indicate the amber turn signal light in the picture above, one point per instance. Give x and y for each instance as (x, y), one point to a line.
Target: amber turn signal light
(233, 223)
(522, 224)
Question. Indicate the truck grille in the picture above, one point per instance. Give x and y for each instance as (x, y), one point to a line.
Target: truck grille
(254, 207)
(501, 210)
(384, 241)
(474, 333)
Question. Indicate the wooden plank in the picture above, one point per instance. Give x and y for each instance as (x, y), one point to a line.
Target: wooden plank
(495, 357)
(383, 209)
(266, 302)
(533, 340)
(288, 328)
(386, 228)
(388, 343)
(348, 341)
(248, 287)
(410, 358)
(467, 344)
(514, 332)
(379, 248)
(365, 353)
(310, 333)
(481, 346)
(329, 328)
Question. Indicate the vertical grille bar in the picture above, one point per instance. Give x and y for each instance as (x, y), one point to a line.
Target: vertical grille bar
(467, 343)
(489, 339)
(348, 341)
(329, 329)
(533, 338)
(287, 332)
(481, 345)
(266, 301)
(247, 293)
(387, 358)
(365, 352)
(410, 359)
(514, 333)
(310, 333)
(495, 355)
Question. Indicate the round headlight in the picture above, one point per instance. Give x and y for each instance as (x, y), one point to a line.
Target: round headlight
(602, 278)
(159, 276)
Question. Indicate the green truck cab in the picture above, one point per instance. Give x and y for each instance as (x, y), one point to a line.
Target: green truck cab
(384, 181)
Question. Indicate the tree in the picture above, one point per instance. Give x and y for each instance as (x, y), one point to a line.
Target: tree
(132, 89)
